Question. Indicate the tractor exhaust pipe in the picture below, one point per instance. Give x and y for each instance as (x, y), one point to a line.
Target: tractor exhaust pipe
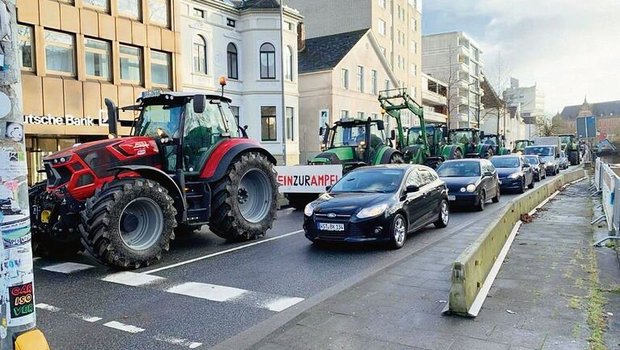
(112, 118)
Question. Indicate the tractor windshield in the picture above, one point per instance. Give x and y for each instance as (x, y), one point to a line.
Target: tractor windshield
(565, 139)
(520, 145)
(352, 135)
(164, 117)
(461, 136)
(490, 140)
(414, 135)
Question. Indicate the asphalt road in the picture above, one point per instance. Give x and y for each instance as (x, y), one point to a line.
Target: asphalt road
(206, 290)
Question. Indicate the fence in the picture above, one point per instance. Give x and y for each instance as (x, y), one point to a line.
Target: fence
(607, 183)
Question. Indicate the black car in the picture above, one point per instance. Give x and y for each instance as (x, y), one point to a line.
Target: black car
(515, 173)
(538, 166)
(471, 182)
(378, 203)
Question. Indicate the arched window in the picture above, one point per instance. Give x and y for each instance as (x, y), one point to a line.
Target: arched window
(267, 61)
(288, 74)
(233, 68)
(200, 54)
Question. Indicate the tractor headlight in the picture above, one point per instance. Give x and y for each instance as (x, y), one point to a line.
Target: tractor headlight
(372, 211)
(309, 209)
(471, 188)
(515, 175)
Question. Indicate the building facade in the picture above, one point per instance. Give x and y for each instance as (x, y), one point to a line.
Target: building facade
(434, 100)
(456, 59)
(76, 53)
(334, 84)
(532, 102)
(395, 25)
(242, 42)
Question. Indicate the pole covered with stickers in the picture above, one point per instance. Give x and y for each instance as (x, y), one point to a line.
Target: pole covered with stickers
(17, 315)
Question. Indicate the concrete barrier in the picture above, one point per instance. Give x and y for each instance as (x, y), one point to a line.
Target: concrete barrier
(471, 272)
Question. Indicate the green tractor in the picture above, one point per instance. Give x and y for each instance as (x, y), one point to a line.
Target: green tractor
(436, 139)
(497, 143)
(521, 144)
(467, 143)
(570, 146)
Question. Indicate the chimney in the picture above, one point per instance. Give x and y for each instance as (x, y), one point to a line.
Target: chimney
(301, 37)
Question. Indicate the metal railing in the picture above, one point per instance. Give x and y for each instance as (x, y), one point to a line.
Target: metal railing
(607, 185)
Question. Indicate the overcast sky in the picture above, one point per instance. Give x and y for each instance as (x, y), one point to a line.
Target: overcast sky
(569, 48)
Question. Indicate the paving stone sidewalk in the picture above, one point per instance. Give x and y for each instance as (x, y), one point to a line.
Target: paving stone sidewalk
(538, 301)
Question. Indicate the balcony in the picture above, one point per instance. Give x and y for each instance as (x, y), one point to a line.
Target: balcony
(433, 99)
(431, 116)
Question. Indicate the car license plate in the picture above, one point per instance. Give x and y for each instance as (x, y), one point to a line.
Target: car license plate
(325, 226)
(451, 197)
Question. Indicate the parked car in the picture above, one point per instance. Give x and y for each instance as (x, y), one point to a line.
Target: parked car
(538, 166)
(550, 154)
(471, 182)
(564, 163)
(515, 173)
(378, 203)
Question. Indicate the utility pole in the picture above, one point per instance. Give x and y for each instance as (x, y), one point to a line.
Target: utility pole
(283, 77)
(18, 316)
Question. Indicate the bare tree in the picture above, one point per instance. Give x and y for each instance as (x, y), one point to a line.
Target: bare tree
(452, 80)
(546, 127)
(499, 80)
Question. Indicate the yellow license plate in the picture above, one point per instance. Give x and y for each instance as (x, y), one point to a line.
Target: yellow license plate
(45, 216)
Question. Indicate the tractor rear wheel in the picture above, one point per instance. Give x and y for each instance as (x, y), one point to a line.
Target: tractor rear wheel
(396, 158)
(457, 154)
(129, 223)
(245, 201)
(44, 242)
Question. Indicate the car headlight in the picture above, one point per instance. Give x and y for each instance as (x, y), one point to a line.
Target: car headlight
(463, 189)
(309, 209)
(372, 211)
(471, 188)
(514, 175)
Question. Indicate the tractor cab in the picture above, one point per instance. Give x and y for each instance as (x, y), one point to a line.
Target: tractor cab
(521, 144)
(435, 139)
(566, 140)
(469, 141)
(496, 142)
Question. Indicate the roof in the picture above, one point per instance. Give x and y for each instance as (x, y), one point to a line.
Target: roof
(261, 4)
(326, 52)
(609, 108)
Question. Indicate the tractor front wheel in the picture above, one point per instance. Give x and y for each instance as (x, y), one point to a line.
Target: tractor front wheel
(129, 223)
(245, 200)
(396, 158)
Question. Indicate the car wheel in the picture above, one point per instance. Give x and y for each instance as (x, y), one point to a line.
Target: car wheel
(399, 231)
(531, 185)
(522, 188)
(496, 198)
(482, 198)
(444, 214)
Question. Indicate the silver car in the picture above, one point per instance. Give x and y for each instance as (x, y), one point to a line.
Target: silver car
(564, 162)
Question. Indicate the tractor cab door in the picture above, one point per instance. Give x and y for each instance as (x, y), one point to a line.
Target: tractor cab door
(202, 131)
(376, 140)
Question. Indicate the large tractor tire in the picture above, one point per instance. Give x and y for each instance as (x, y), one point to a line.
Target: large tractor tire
(244, 202)
(573, 157)
(396, 158)
(44, 242)
(129, 223)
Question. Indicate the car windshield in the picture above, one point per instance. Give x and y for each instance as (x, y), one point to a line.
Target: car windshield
(370, 181)
(505, 162)
(459, 169)
(532, 160)
(539, 151)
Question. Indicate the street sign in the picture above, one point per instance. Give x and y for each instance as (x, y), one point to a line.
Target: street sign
(586, 126)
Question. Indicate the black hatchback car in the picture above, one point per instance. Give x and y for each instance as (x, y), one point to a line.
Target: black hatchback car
(378, 203)
(538, 166)
(515, 173)
(471, 182)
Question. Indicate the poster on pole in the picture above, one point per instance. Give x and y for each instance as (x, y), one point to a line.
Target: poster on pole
(323, 119)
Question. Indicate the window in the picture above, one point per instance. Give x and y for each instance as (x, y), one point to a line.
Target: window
(288, 74)
(381, 27)
(159, 12)
(231, 22)
(345, 78)
(200, 54)
(267, 61)
(268, 123)
(360, 115)
(97, 54)
(382, 3)
(131, 64)
(414, 24)
(289, 26)
(290, 123)
(130, 8)
(25, 47)
(160, 68)
(344, 114)
(373, 82)
(414, 69)
(59, 52)
(360, 78)
(198, 13)
(233, 68)
(103, 5)
(414, 46)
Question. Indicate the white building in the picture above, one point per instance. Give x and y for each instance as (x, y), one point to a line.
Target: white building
(531, 100)
(242, 41)
(434, 99)
(456, 59)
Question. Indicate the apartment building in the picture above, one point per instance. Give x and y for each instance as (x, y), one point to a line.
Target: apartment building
(76, 53)
(434, 100)
(531, 100)
(455, 58)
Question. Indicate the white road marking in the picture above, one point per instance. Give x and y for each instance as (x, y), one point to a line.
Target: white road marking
(223, 252)
(47, 307)
(178, 341)
(87, 318)
(124, 327)
(132, 278)
(67, 268)
(207, 291)
(282, 304)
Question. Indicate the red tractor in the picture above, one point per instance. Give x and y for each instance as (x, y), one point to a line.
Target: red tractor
(186, 164)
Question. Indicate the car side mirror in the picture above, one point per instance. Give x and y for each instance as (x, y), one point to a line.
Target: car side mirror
(321, 131)
(199, 103)
(393, 134)
(412, 189)
(327, 188)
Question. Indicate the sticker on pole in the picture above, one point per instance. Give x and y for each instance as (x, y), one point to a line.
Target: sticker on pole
(22, 300)
(307, 178)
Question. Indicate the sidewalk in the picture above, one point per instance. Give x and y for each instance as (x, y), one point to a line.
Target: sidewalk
(540, 299)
